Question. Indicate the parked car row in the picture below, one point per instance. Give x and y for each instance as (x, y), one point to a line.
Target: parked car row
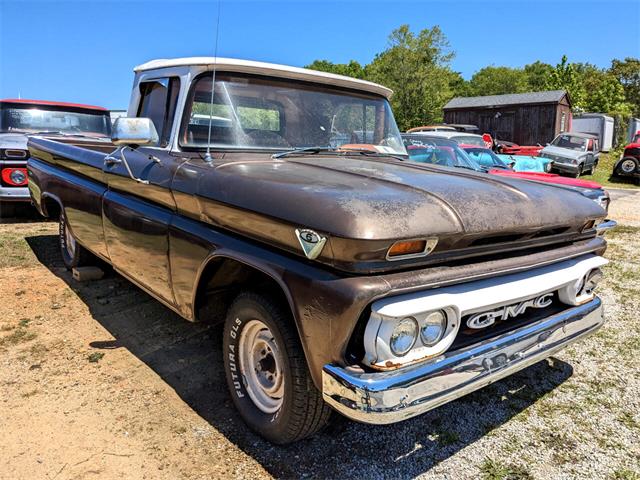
(429, 148)
(354, 269)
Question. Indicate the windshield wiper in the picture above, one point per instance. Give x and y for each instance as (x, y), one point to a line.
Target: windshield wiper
(334, 150)
(296, 151)
(369, 153)
(65, 134)
(469, 168)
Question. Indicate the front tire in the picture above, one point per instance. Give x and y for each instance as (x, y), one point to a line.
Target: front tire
(627, 166)
(578, 173)
(267, 373)
(73, 254)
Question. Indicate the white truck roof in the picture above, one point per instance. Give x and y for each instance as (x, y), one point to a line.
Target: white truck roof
(267, 69)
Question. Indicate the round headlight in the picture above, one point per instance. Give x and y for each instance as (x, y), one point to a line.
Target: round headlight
(18, 177)
(404, 336)
(433, 328)
(591, 281)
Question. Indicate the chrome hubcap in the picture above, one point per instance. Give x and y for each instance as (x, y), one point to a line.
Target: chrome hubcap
(628, 166)
(261, 366)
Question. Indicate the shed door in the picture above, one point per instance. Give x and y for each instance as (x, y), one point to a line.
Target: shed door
(504, 126)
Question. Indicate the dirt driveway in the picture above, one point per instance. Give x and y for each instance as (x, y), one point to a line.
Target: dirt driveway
(98, 380)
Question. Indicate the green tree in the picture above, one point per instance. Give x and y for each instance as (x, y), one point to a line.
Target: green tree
(565, 77)
(627, 72)
(538, 74)
(351, 69)
(417, 68)
(603, 92)
(498, 80)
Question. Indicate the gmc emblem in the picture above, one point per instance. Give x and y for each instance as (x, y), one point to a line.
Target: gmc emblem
(486, 319)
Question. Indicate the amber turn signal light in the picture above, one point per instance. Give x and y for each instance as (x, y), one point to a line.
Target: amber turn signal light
(410, 247)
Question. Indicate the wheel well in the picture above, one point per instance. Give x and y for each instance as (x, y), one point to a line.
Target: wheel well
(51, 208)
(222, 280)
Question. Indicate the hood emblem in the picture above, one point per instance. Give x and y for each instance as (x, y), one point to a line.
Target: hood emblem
(311, 243)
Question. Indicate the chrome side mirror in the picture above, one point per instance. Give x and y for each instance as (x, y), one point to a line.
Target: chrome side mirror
(132, 131)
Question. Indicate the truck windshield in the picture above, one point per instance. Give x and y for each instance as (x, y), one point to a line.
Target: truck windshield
(268, 114)
(29, 118)
(571, 142)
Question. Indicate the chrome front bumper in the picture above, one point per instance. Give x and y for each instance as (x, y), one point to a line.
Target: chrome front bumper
(388, 397)
(565, 167)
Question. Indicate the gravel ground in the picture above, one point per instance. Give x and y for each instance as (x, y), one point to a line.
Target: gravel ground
(625, 206)
(98, 380)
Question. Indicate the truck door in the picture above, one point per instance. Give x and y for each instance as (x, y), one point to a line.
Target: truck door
(138, 206)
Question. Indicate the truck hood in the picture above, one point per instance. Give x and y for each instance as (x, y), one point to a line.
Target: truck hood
(362, 205)
(562, 152)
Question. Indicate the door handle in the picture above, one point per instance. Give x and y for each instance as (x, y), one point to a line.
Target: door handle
(110, 161)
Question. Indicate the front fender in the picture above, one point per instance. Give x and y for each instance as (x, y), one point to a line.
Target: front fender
(325, 306)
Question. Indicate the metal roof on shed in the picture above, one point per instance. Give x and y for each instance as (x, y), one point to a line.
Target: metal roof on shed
(551, 96)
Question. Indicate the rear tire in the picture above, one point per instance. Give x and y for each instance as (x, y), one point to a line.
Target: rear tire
(267, 372)
(627, 166)
(73, 254)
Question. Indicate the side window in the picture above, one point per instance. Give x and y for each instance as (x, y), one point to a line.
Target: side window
(158, 99)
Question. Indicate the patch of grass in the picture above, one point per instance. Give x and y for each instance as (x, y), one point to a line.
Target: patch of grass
(625, 474)
(626, 418)
(95, 357)
(30, 393)
(38, 350)
(564, 448)
(20, 335)
(549, 408)
(621, 230)
(604, 172)
(495, 470)
(24, 322)
(14, 251)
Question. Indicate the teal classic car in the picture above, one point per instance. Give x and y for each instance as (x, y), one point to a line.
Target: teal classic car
(519, 163)
(527, 163)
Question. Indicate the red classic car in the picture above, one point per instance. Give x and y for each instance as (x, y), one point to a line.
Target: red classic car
(629, 162)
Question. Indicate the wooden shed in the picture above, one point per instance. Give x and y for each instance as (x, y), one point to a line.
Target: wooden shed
(523, 118)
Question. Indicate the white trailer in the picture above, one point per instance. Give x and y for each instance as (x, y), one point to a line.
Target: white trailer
(634, 127)
(596, 124)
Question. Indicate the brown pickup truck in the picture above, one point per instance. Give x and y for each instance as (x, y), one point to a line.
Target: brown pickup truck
(281, 201)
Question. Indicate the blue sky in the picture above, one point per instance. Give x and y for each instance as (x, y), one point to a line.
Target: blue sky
(84, 51)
